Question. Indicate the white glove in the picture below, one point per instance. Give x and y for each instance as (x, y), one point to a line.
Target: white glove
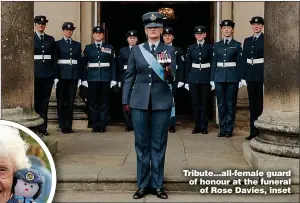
(85, 83)
(79, 83)
(244, 82)
(186, 86)
(212, 83)
(112, 83)
(119, 84)
(55, 83)
(180, 84)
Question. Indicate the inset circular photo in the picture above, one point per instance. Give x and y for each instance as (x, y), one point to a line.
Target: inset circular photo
(27, 170)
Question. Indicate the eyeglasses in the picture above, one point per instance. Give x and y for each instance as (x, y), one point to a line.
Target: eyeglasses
(6, 171)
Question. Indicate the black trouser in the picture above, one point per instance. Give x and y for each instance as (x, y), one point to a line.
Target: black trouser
(200, 97)
(227, 98)
(65, 95)
(255, 96)
(42, 93)
(127, 115)
(98, 101)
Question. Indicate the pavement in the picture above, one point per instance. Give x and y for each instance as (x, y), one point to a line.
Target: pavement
(96, 167)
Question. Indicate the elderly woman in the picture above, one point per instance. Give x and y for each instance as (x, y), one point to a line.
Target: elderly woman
(148, 97)
(12, 157)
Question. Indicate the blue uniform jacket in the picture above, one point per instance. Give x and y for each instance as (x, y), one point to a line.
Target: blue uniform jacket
(141, 81)
(123, 61)
(104, 55)
(69, 52)
(44, 68)
(180, 65)
(231, 53)
(251, 51)
(197, 56)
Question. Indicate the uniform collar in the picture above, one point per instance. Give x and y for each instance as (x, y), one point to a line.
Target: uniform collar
(200, 42)
(171, 44)
(229, 39)
(156, 44)
(39, 34)
(100, 43)
(130, 47)
(257, 35)
(65, 38)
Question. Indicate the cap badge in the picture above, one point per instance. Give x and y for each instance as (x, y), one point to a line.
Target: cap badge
(29, 176)
(98, 29)
(131, 33)
(199, 29)
(226, 23)
(42, 19)
(256, 20)
(69, 25)
(167, 30)
(152, 17)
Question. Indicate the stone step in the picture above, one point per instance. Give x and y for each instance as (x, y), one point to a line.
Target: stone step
(173, 197)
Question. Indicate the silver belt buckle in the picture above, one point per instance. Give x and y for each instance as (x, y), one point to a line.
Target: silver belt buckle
(99, 64)
(200, 65)
(70, 61)
(252, 61)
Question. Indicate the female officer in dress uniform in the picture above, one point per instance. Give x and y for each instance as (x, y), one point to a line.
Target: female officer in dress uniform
(147, 94)
(226, 76)
(198, 69)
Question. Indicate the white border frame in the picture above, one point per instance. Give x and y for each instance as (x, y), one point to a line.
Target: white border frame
(46, 150)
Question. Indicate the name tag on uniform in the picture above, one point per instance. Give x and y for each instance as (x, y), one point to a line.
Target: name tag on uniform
(106, 50)
(232, 47)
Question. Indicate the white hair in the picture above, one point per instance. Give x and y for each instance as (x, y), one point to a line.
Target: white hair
(13, 147)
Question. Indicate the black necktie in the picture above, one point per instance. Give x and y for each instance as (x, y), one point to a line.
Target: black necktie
(42, 38)
(152, 50)
(130, 49)
(98, 46)
(200, 46)
(226, 42)
(69, 41)
(254, 40)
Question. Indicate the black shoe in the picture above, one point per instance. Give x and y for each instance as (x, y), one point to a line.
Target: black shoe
(140, 193)
(172, 129)
(250, 137)
(71, 131)
(43, 132)
(196, 130)
(204, 131)
(221, 134)
(64, 131)
(160, 193)
(128, 129)
(96, 130)
(228, 134)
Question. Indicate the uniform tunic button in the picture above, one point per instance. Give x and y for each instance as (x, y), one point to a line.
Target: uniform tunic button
(42, 51)
(43, 61)
(149, 66)
(42, 46)
(98, 52)
(98, 56)
(149, 75)
(149, 83)
(224, 54)
(225, 49)
(70, 54)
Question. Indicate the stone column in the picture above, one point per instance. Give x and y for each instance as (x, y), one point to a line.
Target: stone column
(17, 78)
(279, 122)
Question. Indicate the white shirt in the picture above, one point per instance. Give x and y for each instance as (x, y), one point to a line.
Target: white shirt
(200, 42)
(156, 44)
(100, 43)
(67, 39)
(170, 44)
(257, 35)
(39, 34)
(229, 39)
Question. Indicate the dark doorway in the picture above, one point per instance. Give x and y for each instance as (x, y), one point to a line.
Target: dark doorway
(119, 17)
